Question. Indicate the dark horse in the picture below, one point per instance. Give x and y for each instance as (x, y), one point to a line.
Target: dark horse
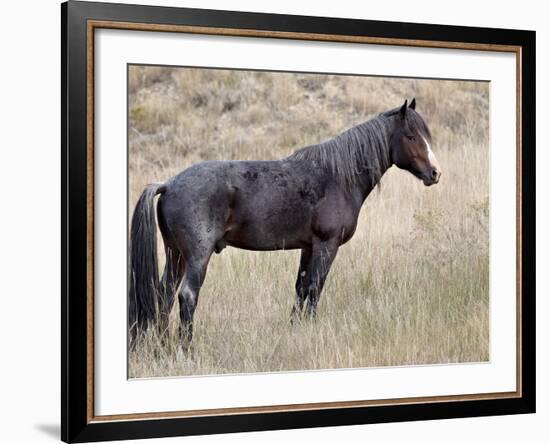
(309, 200)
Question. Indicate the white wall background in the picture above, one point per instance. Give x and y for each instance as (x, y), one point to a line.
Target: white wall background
(30, 221)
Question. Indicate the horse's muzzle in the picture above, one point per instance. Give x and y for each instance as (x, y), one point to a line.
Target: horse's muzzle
(431, 177)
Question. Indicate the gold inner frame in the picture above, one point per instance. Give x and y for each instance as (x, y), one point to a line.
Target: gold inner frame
(95, 24)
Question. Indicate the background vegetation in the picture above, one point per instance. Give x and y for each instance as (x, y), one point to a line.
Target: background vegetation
(411, 287)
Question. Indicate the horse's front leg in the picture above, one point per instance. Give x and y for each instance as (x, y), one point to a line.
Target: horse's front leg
(322, 256)
(301, 285)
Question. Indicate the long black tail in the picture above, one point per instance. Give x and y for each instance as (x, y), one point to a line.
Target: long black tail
(144, 276)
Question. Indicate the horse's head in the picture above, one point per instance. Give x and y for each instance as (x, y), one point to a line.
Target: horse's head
(410, 145)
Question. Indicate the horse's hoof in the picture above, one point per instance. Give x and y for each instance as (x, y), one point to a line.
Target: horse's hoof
(186, 351)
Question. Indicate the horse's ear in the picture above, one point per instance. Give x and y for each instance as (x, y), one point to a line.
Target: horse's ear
(413, 103)
(403, 110)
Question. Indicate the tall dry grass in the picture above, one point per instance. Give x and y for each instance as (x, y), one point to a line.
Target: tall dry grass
(411, 287)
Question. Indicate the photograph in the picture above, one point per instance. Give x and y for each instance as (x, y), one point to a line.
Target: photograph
(278, 220)
(297, 221)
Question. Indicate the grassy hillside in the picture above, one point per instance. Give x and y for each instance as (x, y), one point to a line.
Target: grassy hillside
(411, 287)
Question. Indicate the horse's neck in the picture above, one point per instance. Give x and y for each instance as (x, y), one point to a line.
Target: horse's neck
(365, 186)
(372, 173)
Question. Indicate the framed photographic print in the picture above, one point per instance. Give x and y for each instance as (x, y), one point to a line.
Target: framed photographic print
(276, 221)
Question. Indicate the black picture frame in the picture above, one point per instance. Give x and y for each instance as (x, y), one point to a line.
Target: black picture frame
(77, 425)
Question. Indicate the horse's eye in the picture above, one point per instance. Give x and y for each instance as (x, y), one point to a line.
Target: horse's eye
(410, 137)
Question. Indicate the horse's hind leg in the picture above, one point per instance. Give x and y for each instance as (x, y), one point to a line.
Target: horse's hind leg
(301, 284)
(196, 209)
(171, 278)
(188, 295)
(173, 270)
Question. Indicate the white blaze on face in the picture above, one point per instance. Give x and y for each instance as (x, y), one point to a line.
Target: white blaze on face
(431, 155)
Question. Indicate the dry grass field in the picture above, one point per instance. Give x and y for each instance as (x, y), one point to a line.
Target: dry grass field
(411, 287)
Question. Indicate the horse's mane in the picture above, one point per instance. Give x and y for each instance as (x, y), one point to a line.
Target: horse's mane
(364, 148)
